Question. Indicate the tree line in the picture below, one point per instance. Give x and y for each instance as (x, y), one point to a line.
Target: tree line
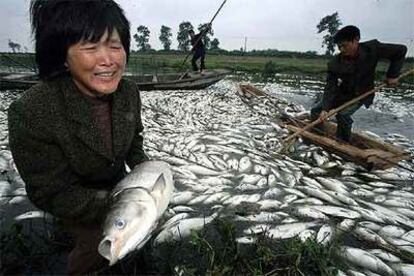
(142, 36)
(329, 25)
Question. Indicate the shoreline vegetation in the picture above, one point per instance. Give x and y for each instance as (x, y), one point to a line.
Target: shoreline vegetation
(213, 250)
(267, 62)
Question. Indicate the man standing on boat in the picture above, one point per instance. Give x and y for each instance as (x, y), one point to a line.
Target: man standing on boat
(198, 49)
(352, 72)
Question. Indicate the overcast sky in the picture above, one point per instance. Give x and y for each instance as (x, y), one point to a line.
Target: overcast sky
(275, 24)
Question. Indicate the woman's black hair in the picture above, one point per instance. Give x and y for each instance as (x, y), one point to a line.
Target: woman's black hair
(58, 24)
(347, 33)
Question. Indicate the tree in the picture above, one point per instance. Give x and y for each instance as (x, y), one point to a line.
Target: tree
(183, 37)
(330, 24)
(165, 37)
(142, 38)
(14, 46)
(206, 38)
(214, 45)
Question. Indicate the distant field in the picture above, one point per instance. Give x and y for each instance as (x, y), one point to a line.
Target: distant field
(167, 62)
(293, 65)
(236, 63)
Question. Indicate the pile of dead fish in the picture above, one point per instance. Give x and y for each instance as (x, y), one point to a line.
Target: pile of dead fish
(222, 150)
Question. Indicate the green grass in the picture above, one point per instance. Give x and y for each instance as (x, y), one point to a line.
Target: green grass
(215, 251)
(236, 63)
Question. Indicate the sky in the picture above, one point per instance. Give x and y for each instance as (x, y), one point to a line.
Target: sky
(262, 24)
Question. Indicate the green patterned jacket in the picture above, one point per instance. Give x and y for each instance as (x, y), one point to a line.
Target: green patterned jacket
(59, 151)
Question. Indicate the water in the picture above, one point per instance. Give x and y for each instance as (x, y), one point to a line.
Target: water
(392, 111)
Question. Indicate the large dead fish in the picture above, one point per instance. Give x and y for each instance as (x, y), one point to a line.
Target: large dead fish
(139, 200)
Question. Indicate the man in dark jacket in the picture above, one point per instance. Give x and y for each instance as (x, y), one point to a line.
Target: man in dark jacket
(72, 135)
(198, 49)
(352, 72)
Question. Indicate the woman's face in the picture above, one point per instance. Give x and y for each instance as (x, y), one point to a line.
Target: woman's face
(97, 68)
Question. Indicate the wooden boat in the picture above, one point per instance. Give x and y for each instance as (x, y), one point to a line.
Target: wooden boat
(248, 90)
(368, 152)
(169, 81)
(17, 80)
(179, 81)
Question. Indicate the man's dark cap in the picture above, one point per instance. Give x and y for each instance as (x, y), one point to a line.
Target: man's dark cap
(347, 33)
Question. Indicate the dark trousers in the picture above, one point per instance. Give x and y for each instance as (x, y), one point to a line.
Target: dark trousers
(343, 119)
(198, 55)
(84, 257)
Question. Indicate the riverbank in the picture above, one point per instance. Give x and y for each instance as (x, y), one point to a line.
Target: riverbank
(267, 65)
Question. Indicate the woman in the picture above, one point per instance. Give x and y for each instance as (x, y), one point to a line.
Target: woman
(72, 134)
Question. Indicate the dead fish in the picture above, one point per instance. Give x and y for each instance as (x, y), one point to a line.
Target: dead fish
(308, 201)
(182, 197)
(307, 234)
(385, 256)
(391, 231)
(337, 211)
(201, 170)
(317, 171)
(369, 235)
(309, 212)
(318, 193)
(325, 234)
(311, 182)
(175, 219)
(290, 230)
(333, 184)
(403, 269)
(32, 215)
(273, 193)
(245, 165)
(183, 228)
(139, 200)
(182, 209)
(269, 204)
(348, 172)
(409, 236)
(364, 259)
(346, 225)
(246, 240)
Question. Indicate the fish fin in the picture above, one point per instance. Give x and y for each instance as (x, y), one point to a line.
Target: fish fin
(159, 188)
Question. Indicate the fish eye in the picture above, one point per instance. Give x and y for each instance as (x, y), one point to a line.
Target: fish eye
(119, 223)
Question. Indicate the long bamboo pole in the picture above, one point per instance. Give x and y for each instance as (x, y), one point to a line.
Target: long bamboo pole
(336, 110)
(203, 33)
